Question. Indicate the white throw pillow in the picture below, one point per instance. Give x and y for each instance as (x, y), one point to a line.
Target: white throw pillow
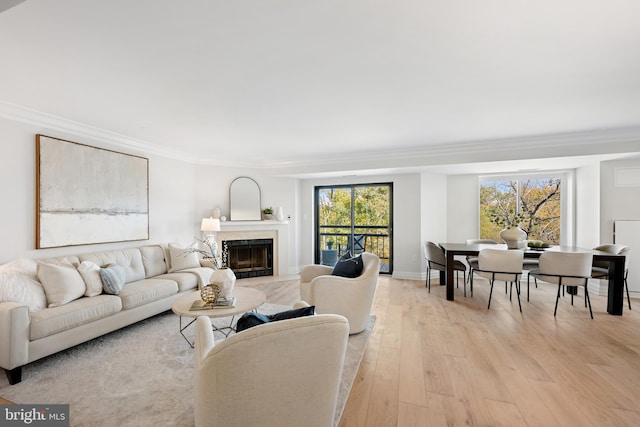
(61, 282)
(90, 272)
(18, 285)
(181, 258)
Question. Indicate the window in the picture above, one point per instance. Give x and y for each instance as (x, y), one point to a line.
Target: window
(352, 219)
(534, 203)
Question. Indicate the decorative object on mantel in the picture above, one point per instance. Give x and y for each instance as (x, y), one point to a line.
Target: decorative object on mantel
(216, 213)
(279, 214)
(223, 218)
(267, 213)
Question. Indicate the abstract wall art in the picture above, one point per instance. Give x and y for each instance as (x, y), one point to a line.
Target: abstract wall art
(87, 195)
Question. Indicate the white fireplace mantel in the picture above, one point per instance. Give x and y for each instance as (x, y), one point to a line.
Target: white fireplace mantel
(251, 224)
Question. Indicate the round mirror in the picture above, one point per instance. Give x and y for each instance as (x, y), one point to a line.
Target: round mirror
(244, 200)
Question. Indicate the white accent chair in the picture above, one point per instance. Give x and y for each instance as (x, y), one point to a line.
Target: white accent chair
(566, 269)
(348, 297)
(505, 265)
(472, 261)
(285, 373)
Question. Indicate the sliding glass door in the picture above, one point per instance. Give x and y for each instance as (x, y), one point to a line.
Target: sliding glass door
(353, 219)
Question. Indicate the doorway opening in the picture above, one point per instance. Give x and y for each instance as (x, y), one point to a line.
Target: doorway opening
(351, 219)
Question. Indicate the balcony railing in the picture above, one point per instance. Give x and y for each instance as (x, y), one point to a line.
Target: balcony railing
(372, 238)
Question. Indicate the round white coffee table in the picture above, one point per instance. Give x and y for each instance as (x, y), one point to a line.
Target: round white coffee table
(247, 299)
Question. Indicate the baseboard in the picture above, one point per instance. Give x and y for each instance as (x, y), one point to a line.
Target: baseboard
(409, 275)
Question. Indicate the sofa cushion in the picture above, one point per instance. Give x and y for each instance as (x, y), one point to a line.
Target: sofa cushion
(154, 260)
(90, 273)
(348, 267)
(76, 313)
(113, 278)
(185, 280)
(130, 259)
(145, 291)
(181, 258)
(61, 282)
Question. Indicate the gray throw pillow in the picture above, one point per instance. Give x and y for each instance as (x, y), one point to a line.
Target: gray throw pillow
(113, 278)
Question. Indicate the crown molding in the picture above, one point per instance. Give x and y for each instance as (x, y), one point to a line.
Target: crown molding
(47, 121)
(597, 141)
(588, 142)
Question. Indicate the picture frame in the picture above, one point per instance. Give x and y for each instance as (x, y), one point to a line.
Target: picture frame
(88, 195)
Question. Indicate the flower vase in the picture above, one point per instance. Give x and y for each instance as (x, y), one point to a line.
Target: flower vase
(514, 237)
(279, 213)
(225, 279)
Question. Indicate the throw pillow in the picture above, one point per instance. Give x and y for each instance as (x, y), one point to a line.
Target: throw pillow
(351, 267)
(181, 258)
(90, 273)
(113, 277)
(251, 319)
(61, 282)
(17, 285)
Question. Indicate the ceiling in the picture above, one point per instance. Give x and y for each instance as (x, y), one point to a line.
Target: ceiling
(334, 86)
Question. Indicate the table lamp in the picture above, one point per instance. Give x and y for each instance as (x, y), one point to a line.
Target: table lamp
(208, 227)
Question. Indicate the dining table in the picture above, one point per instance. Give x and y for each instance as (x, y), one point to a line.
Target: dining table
(615, 295)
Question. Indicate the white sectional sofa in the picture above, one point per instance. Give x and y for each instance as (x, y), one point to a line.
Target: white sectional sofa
(31, 329)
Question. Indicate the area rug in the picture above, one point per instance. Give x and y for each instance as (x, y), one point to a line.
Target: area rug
(141, 375)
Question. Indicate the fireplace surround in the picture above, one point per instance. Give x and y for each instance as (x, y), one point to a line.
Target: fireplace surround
(250, 257)
(240, 232)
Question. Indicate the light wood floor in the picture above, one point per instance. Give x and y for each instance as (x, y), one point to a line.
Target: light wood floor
(432, 362)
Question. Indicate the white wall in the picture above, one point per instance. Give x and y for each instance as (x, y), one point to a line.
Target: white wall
(619, 203)
(616, 202)
(587, 203)
(463, 215)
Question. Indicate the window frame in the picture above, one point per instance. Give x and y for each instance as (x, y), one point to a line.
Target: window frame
(567, 197)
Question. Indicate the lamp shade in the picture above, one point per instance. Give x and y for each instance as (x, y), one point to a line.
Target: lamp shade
(210, 224)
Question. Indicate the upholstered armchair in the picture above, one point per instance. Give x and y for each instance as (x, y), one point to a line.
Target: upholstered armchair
(349, 297)
(285, 373)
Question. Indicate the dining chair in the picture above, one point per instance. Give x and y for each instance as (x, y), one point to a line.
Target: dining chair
(566, 269)
(472, 261)
(434, 256)
(504, 265)
(600, 269)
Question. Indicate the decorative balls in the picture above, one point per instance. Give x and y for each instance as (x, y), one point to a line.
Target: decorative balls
(210, 293)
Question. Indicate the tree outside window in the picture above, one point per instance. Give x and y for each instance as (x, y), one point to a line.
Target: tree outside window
(532, 204)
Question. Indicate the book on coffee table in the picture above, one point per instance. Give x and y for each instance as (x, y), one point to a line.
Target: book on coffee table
(220, 303)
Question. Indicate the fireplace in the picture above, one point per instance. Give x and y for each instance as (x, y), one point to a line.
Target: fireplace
(250, 257)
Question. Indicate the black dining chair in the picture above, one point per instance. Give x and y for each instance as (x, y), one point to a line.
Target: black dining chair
(434, 257)
(600, 269)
